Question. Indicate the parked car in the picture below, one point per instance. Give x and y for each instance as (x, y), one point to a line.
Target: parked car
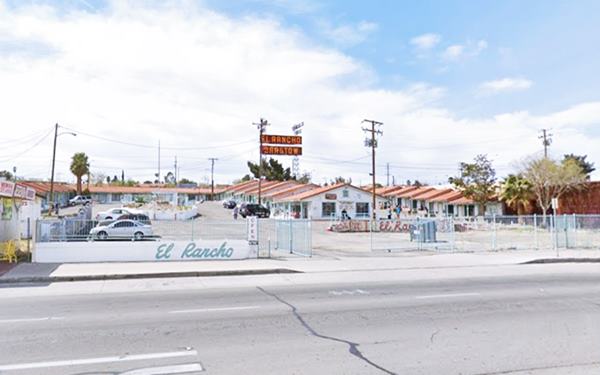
(114, 213)
(142, 218)
(229, 204)
(251, 209)
(122, 229)
(80, 199)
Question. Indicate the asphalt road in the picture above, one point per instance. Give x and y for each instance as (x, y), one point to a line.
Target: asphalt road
(535, 324)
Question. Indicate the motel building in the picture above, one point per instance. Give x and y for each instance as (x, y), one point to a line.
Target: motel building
(326, 203)
(435, 201)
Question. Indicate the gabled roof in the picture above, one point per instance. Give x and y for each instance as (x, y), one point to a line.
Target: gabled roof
(462, 200)
(447, 197)
(43, 187)
(254, 188)
(297, 189)
(401, 190)
(241, 186)
(321, 190)
(414, 193)
(387, 189)
(428, 195)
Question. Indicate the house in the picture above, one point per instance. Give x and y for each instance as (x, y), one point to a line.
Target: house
(62, 192)
(179, 196)
(19, 209)
(327, 202)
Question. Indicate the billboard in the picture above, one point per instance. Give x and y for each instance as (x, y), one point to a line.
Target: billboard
(281, 150)
(281, 139)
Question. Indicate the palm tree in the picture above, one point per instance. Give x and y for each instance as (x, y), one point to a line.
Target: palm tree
(517, 192)
(80, 167)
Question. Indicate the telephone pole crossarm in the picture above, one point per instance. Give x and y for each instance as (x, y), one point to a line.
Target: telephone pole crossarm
(372, 142)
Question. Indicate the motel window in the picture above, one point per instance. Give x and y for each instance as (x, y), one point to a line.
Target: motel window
(345, 193)
(362, 209)
(328, 209)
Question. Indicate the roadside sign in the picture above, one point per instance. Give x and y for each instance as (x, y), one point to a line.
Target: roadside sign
(555, 203)
(252, 230)
(281, 139)
(281, 150)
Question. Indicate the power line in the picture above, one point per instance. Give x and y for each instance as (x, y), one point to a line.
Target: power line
(30, 148)
(152, 147)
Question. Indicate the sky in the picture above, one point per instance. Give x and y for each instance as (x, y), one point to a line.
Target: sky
(448, 80)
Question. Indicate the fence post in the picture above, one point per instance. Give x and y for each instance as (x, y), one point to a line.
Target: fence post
(494, 234)
(291, 237)
(535, 232)
(575, 230)
(566, 229)
(193, 229)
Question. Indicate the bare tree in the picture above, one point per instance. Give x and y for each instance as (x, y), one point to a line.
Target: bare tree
(550, 179)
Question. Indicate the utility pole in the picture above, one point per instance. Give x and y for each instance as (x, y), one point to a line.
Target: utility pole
(372, 142)
(212, 178)
(547, 140)
(387, 167)
(175, 170)
(51, 205)
(158, 174)
(261, 126)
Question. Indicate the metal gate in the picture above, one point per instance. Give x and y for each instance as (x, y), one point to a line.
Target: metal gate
(294, 236)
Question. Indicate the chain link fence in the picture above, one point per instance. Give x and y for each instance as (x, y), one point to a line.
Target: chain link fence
(490, 233)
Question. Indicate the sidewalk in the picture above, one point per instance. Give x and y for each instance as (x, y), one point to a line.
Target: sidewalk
(40, 272)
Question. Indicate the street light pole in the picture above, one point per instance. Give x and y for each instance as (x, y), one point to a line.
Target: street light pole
(51, 203)
(53, 164)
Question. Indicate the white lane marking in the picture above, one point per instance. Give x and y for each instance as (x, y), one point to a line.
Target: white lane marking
(47, 318)
(176, 369)
(91, 361)
(348, 292)
(214, 309)
(448, 295)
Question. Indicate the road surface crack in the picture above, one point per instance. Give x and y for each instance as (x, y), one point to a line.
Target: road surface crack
(433, 335)
(352, 346)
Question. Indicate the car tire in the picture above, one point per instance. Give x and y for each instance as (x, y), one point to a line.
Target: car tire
(108, 218)
(102, 235)
(138, 236)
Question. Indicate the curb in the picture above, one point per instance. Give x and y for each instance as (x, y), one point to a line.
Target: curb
(563, 260)
(157, 275)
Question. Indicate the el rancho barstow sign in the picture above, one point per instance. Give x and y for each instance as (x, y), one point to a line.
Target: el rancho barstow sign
(270, 145)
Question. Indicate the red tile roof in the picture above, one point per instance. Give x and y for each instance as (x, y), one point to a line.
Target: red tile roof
(319, 190)
(300, 188)
(413, 194)
(428, 195)
(43, 187)
(402, 190)
(462, 200)
(447, 197)
(387, 189)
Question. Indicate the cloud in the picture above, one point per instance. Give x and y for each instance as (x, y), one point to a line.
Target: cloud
(348, 34)
(426, 41)
(453, 52)
(458, 52)
(505, 85)
(196, 80)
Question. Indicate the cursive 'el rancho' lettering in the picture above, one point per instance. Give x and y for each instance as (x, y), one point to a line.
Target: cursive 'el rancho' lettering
(191, 251)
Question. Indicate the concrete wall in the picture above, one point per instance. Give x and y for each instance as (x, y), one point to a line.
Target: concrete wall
(130, 251)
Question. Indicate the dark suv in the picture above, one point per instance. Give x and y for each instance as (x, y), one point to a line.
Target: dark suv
(257, 210)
